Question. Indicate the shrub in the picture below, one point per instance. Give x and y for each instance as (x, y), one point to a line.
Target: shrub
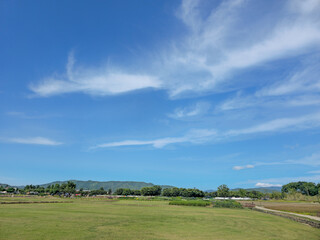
(227, 204)
(199, 203)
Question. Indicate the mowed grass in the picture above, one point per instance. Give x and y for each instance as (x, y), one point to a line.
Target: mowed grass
(129, 219)
(307, 208)
(32, 199)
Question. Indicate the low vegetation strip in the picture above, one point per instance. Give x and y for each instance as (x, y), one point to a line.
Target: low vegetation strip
(227, 204)
(199, 203)
(19, 202)
(312, 223)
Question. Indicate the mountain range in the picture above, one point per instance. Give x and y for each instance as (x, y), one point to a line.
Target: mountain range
(93, 185)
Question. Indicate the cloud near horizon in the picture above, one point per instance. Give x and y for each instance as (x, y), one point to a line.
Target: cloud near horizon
(285, 180)
(267, 185)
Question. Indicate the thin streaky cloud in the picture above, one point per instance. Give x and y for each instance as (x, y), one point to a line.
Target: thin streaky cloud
(310, 160)
(34, 141)
(243, 167)
(307, 80)
(197, 109)
(282, 124)
(210, 135)
(195, 136)
(300, 89)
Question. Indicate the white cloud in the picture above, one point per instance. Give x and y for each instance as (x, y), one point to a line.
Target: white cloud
(314, 172)
(284, 102)
(195, 136)
(285, 180)
(96, 81)
(307, 100)
(282, 124)
(208, 56)
(205, 135)
(34, 140)
(243, 167)
(197, 109)
(304, 7)
(267, 185)
(307, 80)
(312, 160)
(299, 89)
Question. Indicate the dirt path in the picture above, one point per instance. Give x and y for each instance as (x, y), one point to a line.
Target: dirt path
(295, 214)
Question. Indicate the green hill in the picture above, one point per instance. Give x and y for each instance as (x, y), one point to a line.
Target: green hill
(92, 185)
(4, 185)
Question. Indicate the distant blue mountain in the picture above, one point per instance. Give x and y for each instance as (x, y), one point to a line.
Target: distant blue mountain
(260, 189)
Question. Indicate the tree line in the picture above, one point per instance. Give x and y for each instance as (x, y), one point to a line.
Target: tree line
(66, 189)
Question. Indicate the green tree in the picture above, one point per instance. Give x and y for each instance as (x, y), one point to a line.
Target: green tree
(151, 191)
(223, 191)
(305, 188)
(242, 192)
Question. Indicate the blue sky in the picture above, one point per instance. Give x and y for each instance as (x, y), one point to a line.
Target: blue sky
(186, 93)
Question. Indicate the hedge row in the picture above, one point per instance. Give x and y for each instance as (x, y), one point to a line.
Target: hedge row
(227, 204)
(200, 203)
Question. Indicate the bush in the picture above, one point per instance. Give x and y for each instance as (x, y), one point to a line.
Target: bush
(227, 204)
(199, 203)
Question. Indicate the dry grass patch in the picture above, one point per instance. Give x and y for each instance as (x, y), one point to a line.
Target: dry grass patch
(312, 209)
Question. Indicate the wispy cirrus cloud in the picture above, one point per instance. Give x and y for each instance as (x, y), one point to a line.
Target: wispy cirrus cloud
(34, 141)
(307, 80)
(211, 135)
(93, 81)
(194, 110)
(207, 58)
(300, 89)
(309, 160)
(282, 124)
(196, 136)
(209, 51)
(243, 167)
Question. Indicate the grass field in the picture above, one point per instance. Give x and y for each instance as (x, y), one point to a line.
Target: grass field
(31, 199)
(307, 208)
(130, 219)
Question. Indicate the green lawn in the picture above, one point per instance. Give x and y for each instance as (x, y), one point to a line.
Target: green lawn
(129, 219)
